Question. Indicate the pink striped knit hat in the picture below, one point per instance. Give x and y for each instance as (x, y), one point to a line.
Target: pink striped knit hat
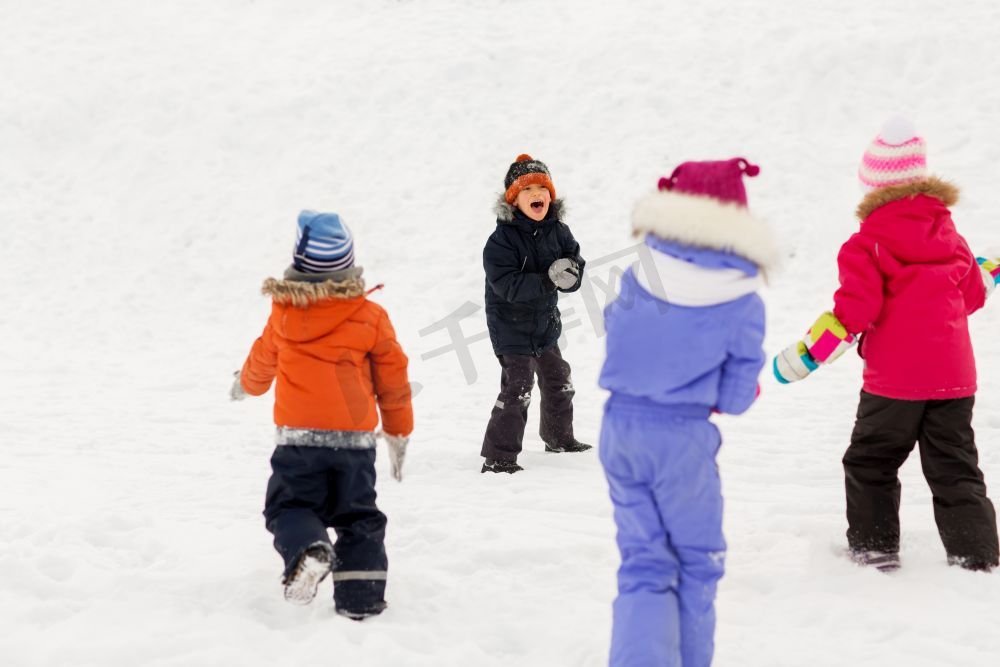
(896, 156)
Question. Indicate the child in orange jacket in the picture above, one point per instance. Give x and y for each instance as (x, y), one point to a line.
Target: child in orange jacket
(335, 356)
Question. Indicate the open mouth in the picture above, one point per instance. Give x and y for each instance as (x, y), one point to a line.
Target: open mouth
(537, 205)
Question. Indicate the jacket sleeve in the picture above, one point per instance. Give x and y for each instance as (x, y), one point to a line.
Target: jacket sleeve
(858, 301)
(571, 249)
(738, 387)
(503, 272)
(972, 286)
(261, 364)
(390, 379)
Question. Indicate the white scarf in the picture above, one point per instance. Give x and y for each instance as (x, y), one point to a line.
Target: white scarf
(686, 284)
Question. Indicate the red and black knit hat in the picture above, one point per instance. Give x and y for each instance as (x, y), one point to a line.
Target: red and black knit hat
(524, 172)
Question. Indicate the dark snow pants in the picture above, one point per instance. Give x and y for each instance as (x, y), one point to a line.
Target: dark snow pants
(884, 435)
(315, 488)
(505, 432)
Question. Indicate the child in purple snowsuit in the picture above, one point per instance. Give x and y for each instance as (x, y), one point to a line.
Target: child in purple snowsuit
(684, 339)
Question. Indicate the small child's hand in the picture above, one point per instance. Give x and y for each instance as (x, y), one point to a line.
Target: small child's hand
(236, 392)
(990, 269)
(397, 453)
(564, 273)
(826, 340)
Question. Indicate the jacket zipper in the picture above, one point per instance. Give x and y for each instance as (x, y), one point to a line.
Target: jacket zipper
(534, 251)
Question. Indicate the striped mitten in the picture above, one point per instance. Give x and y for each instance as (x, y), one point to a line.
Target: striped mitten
(825, 341)
(793, 363)
(991, 273)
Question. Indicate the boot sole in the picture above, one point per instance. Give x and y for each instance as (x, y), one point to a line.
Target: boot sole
(310, 572)
(887, 563)
(509, 471)
(361, 615)
(563, 450)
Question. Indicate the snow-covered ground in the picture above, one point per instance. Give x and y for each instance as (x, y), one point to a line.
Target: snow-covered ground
(153, 158)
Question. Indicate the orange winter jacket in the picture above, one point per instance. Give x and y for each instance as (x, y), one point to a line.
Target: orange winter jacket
(334, 354)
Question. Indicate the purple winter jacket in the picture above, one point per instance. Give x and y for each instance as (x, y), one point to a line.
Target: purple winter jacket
(688, 333)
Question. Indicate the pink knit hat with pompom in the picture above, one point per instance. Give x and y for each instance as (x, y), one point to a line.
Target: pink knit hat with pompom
(722, 180)
(896, 156)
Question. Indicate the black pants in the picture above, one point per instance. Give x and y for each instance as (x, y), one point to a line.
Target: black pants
(884, 435)
(315, 488)
(505, 432)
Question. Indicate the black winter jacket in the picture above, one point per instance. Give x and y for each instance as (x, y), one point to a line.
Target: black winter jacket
(521, 302)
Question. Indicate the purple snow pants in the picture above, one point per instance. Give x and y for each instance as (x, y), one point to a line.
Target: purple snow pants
(664, 484)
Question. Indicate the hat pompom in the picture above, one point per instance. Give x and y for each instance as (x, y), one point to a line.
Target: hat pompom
(897, 131)
(524, 157)
(747, 168)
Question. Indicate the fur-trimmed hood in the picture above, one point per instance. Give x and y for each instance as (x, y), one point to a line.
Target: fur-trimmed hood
(706, 223)
(932, 187)
(300, 293)
(505, 211)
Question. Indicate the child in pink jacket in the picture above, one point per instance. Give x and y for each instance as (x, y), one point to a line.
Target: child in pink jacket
(908, 283)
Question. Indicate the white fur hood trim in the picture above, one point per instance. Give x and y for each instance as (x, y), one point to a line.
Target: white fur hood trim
(707, 223)
(686, 284)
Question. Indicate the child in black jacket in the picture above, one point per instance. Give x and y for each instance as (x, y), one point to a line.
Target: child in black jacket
(531, 255)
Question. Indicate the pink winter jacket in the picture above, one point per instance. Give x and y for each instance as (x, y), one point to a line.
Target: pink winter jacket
(908, 283)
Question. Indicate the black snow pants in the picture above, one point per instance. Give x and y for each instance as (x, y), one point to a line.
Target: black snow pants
(884, 435)
(315, 488)
(505, 432)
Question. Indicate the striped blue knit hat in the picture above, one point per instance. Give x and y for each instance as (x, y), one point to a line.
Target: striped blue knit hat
(323, 243)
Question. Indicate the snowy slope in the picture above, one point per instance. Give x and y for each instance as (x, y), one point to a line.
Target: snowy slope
(153, 157)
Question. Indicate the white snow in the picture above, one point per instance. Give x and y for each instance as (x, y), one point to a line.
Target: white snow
(153, 159)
